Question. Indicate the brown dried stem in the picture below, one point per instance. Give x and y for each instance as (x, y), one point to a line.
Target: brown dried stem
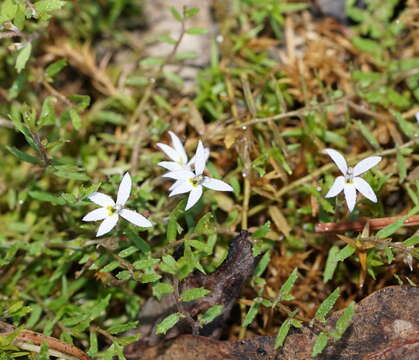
(374, 224)
(194, 325)
(32, 341)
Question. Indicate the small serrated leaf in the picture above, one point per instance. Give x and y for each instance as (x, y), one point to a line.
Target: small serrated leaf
(210, 314)
(327, 305)
(251, 314)
(284, 292)
(168, 322)
(23, 156)
(23, 57)
(197, 31)
(344, 321)
(331, 264)
(320, 344)
(193, 294)
(282, 333)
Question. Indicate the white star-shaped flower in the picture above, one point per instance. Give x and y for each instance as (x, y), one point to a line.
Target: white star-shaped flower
(350, 181)
(177, 154)
(194, 181)
(110, 211)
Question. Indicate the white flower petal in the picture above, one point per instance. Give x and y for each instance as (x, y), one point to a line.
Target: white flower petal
(124, 189)
(194, 196)
(179, 175)
(366, 164)
(171, 165)
(169, 151)
(200, 159)
(417, 117)
(216, 184)
(181, 187)
(207, 154)
(135, 218)
(177, 144)
(338, 159)
(101, 199)
(107, 225)
(350, 195)
(365, 189)
(95, 215)
(337, 187)
(175, 184)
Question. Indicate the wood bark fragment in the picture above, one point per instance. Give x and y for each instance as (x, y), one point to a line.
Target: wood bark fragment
(385, 326)
(225, 285)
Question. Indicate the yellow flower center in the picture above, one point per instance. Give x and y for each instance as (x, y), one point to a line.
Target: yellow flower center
(197, 180)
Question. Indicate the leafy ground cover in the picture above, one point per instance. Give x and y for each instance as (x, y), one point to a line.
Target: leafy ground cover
(82, 104)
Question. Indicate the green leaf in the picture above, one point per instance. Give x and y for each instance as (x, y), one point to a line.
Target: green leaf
(168, 264)
(145, 263)
(99, 307)
(7, 11)
(69, 172)
(262, 231)
(389, 253)
(331, 264)
(262, 264)
(75, 118)
(123, 275)
(206, 225)
(93, 348)
(118, 328)
(212, 313)
(391, 228)
(367, 45)
(282, 333)
(320, 344)
(167, 39)
(327, 305)
(81, 101)
(168, 322)
(47, 116)
(110, 267)
(186, 55)
(284, 292)
(401, 163)
(176, 14)
(54, 68)
(345, 252)
(23, 156)
(412, 241)
(171, 230)
(34, 317)
(173, 77)
(23, 57)
(191, 12)
(149, 278)
(137, 240)
(46, 6)
(162, 288)
(193, 294)
(128, 251)
(151, 61)
(408, 128)
(197, 31)
(367, 134)
(44, 196)
(344, 321)
(251, 314)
